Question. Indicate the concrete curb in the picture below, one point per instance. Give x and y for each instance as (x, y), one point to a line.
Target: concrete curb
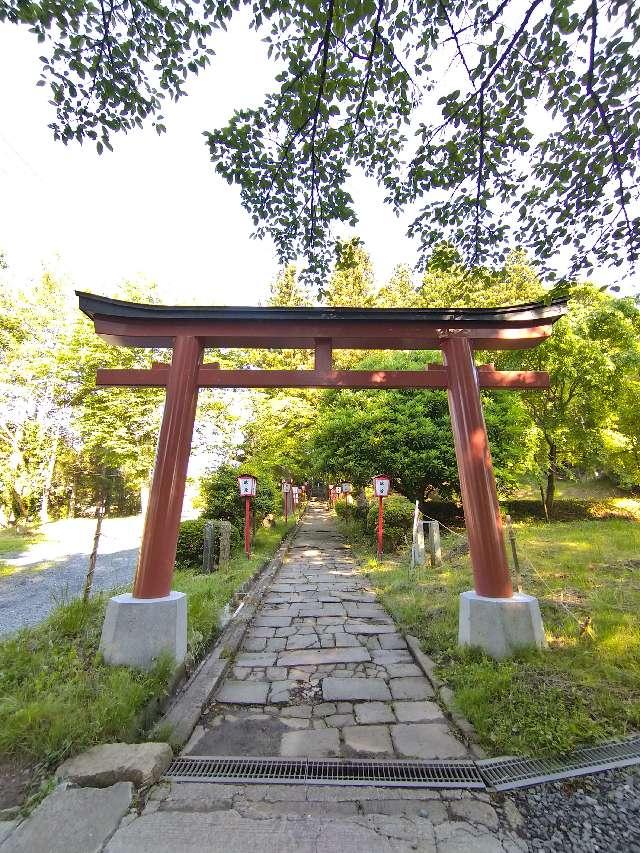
(446, 698)
(186, 708)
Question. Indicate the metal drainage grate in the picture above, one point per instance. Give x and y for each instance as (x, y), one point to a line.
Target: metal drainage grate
(506, 773)
(406, 774)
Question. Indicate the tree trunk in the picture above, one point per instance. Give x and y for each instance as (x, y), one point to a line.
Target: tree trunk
(48, 481)
(94, 554)
(551, 479)
(72, 500)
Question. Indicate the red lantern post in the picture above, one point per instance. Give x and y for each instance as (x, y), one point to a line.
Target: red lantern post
(286, 491)
(247, 487)
(381, 487)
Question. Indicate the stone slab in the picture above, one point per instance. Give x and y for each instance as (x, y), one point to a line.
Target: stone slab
(319, 657)
(72, 820)
(426, 740)
(244, 692)
(353, 626)
(272, 622)
(311, 743)
(251, 659)
(411, 687)
(374, 712)
(353, 689)
(417, 712)
(385, 656)
(368, 739)
(108, 763)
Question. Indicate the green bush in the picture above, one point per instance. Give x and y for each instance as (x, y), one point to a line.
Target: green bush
(397, 524)
(351, 511)
(191, 542)
(220, 497)
(447, 512)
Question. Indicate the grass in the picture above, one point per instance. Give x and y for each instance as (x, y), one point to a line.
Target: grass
(57, 697)
(13, 543)
(586, 687)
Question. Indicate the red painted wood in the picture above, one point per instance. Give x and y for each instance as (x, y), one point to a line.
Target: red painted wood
(380, 523)
(212, 377)
(477, 481)
(160, 536)
(247, 527)
(303, 334)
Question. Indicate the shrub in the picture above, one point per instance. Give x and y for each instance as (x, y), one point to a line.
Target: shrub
(447, 512)
(191, 542)
(398, 521)
(351, 511)
(219, 492)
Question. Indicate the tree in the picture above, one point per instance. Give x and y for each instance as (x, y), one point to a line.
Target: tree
(354, 79)
(351, 283)
(407, 435)
(399, 291)
(593, 359)
(448, 283)
(286, 290)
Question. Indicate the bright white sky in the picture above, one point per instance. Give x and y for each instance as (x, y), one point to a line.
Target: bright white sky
(154, 207)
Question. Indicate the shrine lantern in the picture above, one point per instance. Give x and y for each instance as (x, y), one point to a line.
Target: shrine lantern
(381, 484)
(247, 487)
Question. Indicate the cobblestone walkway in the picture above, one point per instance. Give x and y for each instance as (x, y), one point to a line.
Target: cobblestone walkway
(323, 670)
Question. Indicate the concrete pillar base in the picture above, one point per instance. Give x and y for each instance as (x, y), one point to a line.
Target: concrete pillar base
(136, 631)
(500, 626)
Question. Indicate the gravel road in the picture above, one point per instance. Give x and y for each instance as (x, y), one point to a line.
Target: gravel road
(53, 570)
(589, 814)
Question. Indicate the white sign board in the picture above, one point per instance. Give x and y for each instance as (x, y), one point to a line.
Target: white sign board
(381, 486)
(286, 487)
(247, 486)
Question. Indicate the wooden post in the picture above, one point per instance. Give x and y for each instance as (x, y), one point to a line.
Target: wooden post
(380, 522)
(94, 554)
(247, 527)
(159, 539)
(514, 552)
(477, 482)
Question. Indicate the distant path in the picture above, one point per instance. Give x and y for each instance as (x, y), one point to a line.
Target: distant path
(54, 569)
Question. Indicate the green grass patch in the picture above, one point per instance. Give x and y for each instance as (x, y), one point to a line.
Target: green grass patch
(586, 687)
(13, 543)
(57, 697)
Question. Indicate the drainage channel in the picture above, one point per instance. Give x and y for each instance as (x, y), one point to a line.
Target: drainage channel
(500, 774)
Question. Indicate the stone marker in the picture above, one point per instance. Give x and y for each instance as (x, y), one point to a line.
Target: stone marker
(73, 820)
(108, 763)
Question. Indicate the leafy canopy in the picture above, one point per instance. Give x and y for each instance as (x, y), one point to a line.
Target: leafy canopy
(495, 123)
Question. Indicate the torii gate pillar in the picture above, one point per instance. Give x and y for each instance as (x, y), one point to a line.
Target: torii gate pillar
(491, 616)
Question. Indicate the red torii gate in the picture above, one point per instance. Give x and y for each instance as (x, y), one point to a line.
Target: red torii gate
(457, 332)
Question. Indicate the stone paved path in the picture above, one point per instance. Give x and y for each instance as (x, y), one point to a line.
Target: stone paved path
(323, 673)
(323, 670)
